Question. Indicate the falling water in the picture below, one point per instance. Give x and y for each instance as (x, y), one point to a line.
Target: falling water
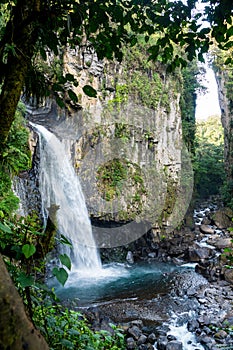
(60, 188)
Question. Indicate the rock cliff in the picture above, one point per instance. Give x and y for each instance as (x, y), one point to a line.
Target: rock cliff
(126, 144)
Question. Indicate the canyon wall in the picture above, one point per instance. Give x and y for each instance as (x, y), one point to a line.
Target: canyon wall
(126, 144)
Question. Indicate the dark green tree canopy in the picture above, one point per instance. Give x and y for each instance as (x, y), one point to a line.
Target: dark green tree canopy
(33, 28)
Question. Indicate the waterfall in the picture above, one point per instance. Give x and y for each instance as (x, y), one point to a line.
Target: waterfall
(60, 188)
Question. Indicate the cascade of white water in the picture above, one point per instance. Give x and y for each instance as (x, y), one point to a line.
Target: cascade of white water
(60, 186)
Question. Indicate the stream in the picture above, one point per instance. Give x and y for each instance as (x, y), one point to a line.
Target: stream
(163, 305)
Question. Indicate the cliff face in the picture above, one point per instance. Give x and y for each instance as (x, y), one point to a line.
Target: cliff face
(224, 81)
(126, 144)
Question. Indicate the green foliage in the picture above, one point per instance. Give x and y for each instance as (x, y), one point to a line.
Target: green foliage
(143, 81)
(209, 159)
(190, 86)
(66, 329)
(111, 176)
(226, 193)
(16, 157)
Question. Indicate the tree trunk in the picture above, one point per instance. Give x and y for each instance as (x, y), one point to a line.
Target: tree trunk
(21, 35)
(16, 331)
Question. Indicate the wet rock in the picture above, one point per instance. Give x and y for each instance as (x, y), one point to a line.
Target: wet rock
(221, 334)
(152, 255)
(137, 323)
(142, 339)
(222, 218)
(207, 342)
(206, 229)
(171, 337)
(222, 243)
(174, 345)
(228, 275)
(130, 343)
(143, 347)
(206, 221)
(129, 257)
(192, 325)
(199, 253)
(204, 320)
(162, 343)
(135, 332)
(151, 338)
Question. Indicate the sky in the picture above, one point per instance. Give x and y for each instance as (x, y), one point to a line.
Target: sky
(208, 104)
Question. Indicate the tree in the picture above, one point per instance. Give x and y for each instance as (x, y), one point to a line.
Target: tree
(16, 331)
(40, 27)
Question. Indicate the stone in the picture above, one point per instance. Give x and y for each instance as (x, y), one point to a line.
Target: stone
(192, 325)
(143, 347)
(204, 320)
(199, 253)
(174, 345)
(206, 229)
(129, 257)
(206, 221)
(171, 337)
(228, 275)
(222, 243)
(137, 323)
(222, 218)
(221, 334)
(142, 339)
(130, 343)
(151, 338)
(162, 343)
(135, 332)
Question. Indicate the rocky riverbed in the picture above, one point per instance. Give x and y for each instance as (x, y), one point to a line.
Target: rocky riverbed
(197, 310)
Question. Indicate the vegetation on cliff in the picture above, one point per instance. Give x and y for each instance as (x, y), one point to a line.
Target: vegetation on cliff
(42, 29)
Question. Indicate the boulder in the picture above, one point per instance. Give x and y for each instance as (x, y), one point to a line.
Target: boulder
(206, 229)
(135, 332)
(222, 243)
(228, 275)
(222, 218)
(199, 253)
(129, 257)
(174, 345)
(130, 343)
(151, 338)
(221, 334)
(142, 339)
(162, 343)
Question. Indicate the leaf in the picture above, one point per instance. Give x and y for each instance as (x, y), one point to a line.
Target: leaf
(89, 91)
(60, 274)
(65, 260)
(25, 280)
(28, 250)
(72, 95)
(64, 240)
(67, 344)
(60, 102)
(69, 77)
(5, 228)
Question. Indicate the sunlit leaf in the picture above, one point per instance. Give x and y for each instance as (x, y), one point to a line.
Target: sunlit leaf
(60, 274)
(89, 91)
(72, 95)
(25, 280)
(5, 228)
(28, 250)
(65, 260)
